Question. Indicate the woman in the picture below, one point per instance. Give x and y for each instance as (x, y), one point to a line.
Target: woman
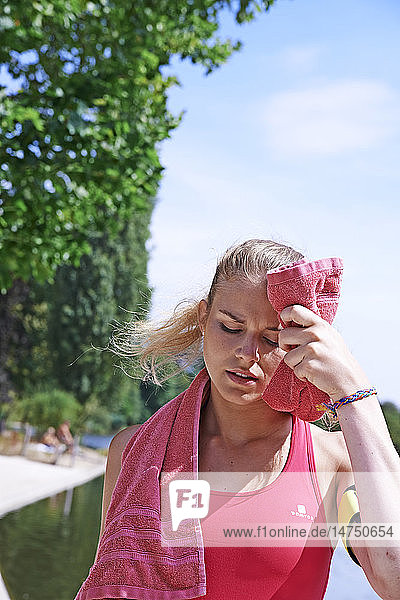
(242, 341)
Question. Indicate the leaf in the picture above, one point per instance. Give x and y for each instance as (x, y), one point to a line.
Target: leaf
(21, 205)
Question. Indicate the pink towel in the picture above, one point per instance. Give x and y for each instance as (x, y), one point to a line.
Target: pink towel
(131, 561)
(315, 285)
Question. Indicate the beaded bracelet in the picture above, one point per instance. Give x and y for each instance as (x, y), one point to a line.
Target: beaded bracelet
(334, 405)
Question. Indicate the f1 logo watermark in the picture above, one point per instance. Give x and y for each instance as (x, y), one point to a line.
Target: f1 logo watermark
(189, 499)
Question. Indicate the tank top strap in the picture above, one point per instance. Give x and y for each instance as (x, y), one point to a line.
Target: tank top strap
(303, 459)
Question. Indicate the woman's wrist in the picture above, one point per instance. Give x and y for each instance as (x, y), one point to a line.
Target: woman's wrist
(354, 397)
(335, 405)
(350, 387)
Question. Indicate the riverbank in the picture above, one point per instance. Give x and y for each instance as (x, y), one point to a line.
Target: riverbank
(24, 481)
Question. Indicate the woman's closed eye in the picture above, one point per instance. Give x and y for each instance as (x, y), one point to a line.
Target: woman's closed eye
(229, 330)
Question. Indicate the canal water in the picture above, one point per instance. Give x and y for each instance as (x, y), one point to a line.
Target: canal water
(46, 549)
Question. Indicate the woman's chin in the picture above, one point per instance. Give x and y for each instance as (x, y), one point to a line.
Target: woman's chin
(239, 396)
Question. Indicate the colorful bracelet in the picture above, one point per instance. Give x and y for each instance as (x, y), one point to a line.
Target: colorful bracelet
(334, 405)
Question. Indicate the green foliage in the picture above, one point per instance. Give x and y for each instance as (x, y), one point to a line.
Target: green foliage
(62, 320)
(46, 408)
(94, 418)
(154, 396)
(328, 423)
(127, 407)
(79, 171)
(80, 138)
(392, 416)
(29, 358)
(84, 301)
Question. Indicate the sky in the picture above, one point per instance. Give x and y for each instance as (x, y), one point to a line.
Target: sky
(296, 139)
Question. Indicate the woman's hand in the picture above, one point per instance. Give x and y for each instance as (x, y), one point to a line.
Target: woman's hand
(320, 354)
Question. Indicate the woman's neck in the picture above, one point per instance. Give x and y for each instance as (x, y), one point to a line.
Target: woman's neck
(240, 425)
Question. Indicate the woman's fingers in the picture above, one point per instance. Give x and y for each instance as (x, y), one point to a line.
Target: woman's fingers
(303, 327)
(299, 314)
(294, 357)
(296, 336)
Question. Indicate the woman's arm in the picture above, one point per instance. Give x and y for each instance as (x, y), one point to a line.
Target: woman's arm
(376, 468)
(322, 358)
(113, 469)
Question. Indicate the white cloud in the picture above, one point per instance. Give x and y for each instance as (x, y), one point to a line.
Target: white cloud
(331, 119)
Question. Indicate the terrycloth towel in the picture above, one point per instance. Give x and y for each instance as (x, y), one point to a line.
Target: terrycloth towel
(315, 285)
(131, 561)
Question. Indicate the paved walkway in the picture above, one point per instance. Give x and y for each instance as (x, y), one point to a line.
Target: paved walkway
(24, 481)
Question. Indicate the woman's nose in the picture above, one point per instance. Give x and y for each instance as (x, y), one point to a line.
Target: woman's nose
(248, 350)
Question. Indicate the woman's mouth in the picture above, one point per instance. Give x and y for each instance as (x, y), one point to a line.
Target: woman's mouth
(242, 378)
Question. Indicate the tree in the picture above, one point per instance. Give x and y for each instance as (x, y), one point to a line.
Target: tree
(84, 301)
(79, 153)
(47, 408)
(13, 339)
(80, 138)
(153, 396)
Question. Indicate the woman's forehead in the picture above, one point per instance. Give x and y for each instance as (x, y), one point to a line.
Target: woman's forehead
(245, 300)
(241, 287)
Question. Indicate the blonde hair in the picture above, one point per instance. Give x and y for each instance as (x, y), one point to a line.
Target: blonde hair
(158, 351)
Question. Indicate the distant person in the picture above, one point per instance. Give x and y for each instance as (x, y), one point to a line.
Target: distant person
(50, 439)
(64, 435)
(50, 444)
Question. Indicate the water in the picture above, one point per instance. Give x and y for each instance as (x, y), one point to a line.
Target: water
(96, 441)
(45, 554)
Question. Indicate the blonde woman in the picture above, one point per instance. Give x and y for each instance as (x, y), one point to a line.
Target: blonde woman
(240, 336)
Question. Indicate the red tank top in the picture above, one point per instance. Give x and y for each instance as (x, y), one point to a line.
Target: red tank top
(281, 571)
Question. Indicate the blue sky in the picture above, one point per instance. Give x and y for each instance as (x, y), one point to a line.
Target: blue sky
(297, 139)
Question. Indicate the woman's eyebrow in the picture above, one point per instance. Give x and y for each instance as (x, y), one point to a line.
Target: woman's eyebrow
(239, 320)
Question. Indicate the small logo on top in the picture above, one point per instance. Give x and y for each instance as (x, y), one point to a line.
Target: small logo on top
(301, 511)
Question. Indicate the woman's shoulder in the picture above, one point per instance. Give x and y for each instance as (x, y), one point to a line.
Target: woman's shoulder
(113, 467)
(120, 440)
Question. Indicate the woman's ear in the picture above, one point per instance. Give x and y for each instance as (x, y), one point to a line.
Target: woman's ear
(202, 313)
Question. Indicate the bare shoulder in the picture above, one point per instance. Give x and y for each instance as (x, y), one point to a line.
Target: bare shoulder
(119, 442)
(113, 466)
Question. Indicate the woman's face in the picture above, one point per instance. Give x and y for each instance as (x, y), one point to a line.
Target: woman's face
(241, 349)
